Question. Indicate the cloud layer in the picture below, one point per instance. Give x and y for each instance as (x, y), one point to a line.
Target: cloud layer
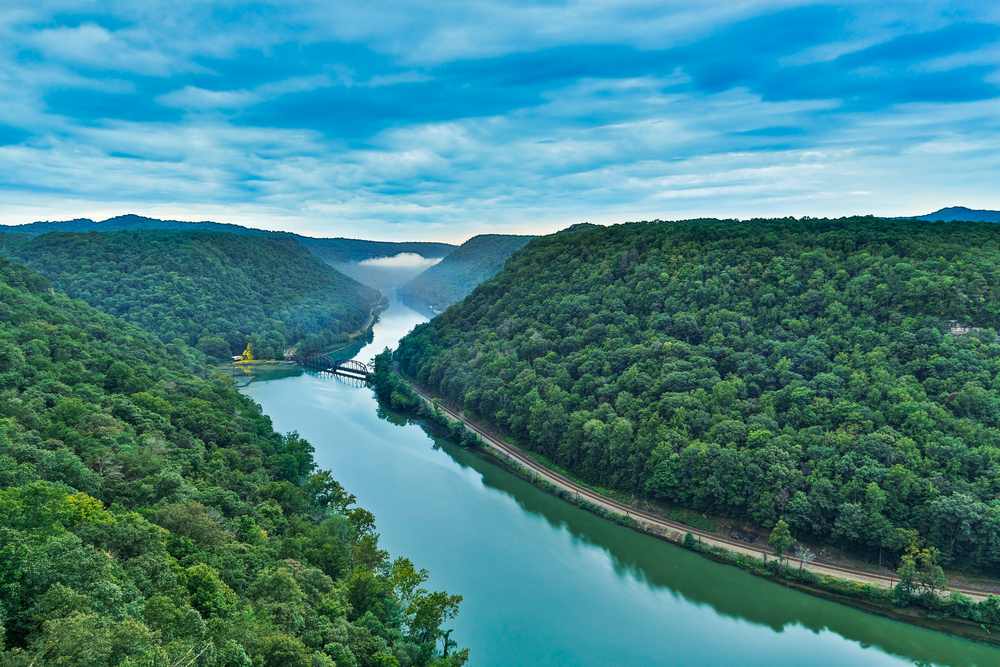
(443, 120)
(403, 260)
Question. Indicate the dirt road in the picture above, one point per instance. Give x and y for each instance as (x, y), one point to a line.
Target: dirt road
(662, 527)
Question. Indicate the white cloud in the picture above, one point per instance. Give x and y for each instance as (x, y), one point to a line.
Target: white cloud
(529, 172)
(404, 260)
(451, 180)
(93, 46)
(191, 97)
(601, 149)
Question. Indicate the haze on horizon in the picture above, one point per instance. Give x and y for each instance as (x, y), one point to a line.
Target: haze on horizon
(439, 122)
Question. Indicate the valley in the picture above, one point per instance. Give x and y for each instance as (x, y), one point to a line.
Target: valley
(654, 360)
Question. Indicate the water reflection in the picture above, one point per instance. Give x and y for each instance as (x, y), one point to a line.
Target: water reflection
(546, 583)
(724, 589)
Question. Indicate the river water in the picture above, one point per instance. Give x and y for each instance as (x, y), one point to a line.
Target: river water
(545, 583)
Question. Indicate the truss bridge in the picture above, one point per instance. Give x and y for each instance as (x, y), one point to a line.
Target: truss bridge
(348, 368)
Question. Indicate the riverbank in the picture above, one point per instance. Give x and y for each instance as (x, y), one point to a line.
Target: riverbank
(245, 370)
(564, 587)
(865, 590)
(353, 338)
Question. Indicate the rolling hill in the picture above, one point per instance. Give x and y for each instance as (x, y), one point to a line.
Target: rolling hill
(839, 375)
(152, 517)
(218, 291)
(352, 257)
(454, 277)
(961, 213)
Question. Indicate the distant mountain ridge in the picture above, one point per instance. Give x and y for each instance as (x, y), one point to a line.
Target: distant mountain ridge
(959, 214)
(330, 250)
(128, 222)
(454, 277)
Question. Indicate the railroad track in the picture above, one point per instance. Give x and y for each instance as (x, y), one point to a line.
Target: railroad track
(853, 574)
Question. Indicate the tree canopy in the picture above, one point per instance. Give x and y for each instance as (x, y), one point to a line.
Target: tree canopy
(150, 517)
(217, 291)
(839, 375)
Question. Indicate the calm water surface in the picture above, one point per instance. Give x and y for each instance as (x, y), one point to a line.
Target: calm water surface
(546, 583)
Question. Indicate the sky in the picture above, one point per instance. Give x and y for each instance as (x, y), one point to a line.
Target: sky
(440, 120)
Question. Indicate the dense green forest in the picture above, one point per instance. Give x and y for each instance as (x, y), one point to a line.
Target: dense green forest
(150, 518)
(220, 292)
(760, 370)
(453, 278)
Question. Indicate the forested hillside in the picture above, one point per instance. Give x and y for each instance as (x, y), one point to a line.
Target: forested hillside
(331, 250)
(804, 370)
(150, 518)
(217, 291)
(453, 278)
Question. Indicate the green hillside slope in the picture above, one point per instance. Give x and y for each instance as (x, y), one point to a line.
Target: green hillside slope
(151, 518)
(453, 278)
(331, 250)
(760, 370)
(352, 257)
(216, 290)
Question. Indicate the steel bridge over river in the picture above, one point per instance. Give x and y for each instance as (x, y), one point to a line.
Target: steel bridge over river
(348, 368)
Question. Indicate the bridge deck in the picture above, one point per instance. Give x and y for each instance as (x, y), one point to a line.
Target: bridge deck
(348, 372)
(350, 368)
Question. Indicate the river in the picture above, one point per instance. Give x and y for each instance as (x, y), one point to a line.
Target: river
(545, 583)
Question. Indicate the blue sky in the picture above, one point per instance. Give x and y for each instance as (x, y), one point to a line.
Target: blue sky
(407, 120)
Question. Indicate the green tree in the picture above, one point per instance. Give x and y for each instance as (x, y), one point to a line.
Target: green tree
(919, 571)
(214, 346)
(781, 538)
(117, 377)
(207, 592)
(956, 519)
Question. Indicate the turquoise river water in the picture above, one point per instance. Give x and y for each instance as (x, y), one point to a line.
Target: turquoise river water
(545, 583)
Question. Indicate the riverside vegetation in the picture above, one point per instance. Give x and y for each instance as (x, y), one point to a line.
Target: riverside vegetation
(797, 373)
(221, 292)
(922, 581)
(150, 517)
